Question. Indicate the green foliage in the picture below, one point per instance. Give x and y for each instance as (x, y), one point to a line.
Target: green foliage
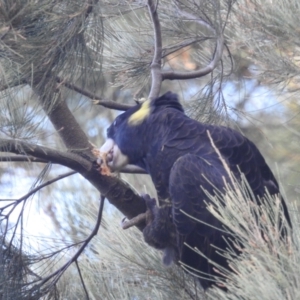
(120, 265)
(267, 263)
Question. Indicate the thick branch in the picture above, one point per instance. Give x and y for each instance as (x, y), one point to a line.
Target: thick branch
(115, 190)
(66, 125)
(44, 154)
(156, 62)
(129, 169)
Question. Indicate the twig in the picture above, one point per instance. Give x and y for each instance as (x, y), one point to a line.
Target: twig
(62, 269)
(97, 100)
(90, 6)
(3, 35)
(22, 200)
(59, 177)
(177, 75)
(6, 86)
(225, 165)
(16, 225)
(134, 221)
(112, 105)
(156, 62)
(174, 48)
(16, 202)
(81, 279)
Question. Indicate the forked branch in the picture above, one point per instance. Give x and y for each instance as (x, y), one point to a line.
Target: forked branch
(216, 32)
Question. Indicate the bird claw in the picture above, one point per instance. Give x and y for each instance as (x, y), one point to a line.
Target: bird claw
(124, 220)
(150, 202)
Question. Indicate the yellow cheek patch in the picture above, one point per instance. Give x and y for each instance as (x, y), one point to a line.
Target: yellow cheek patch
(139, 116)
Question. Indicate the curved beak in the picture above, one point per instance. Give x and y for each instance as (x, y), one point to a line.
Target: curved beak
(107, 146)
(119, 160)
